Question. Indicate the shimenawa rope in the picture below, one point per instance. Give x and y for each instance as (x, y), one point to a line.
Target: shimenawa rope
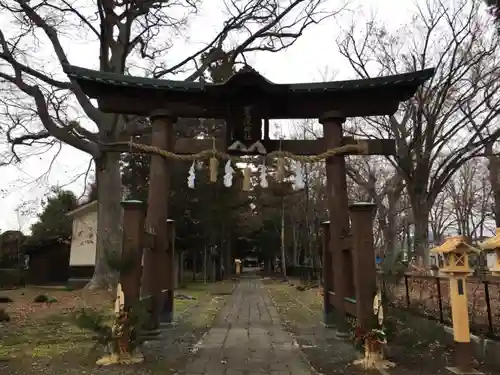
(359, 147)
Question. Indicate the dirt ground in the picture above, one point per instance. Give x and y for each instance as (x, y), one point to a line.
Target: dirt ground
(414, 350)
(44, 338)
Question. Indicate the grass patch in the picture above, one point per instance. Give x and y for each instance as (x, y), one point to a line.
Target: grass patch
(51, 336)
(296, 307)
(48, 330)
(207, 312)
(203, 294)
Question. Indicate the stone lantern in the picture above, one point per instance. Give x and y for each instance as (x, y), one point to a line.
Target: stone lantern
(237, 263)
(490, 244)
(455, 251)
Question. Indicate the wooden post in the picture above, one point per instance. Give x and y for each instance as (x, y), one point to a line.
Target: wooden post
(365, 278)
(169, 275)
(338, 208)
(461, 331)
(133, 234)
(456, 251)
(327, 275)
(156, 261)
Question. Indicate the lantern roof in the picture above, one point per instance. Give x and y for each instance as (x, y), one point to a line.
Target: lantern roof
(491, 243)
(119, 93)
(455, 244)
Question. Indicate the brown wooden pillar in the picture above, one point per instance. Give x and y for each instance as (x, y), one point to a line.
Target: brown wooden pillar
(327, 276)
(156, 261)
(168, 274)
(133, 234)
(365, 277)
(338, 208)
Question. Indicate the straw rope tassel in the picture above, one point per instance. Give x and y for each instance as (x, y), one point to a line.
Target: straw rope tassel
(214, 163)
(246, 178)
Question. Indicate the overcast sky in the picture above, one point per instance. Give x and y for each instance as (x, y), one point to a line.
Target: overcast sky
(313, 57)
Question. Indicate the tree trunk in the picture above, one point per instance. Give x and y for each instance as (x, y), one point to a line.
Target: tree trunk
(494, 176)
(177, 271)
(109, 236)
(194, 260)
(421, 234)
(205, 264)
(181, 276)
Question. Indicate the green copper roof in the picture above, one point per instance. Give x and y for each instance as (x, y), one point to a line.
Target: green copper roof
(243, 79)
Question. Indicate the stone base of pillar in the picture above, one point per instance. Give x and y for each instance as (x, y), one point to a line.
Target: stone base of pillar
(456, 370)
(122, 359)
(329, 319)
(463, 360)
(167, 312)
(150, 334)
(343, 329)
(344, 335)
(167, 325)
(374, 358)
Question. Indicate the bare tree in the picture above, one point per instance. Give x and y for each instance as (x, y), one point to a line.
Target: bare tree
(494, 9)
(128, 35)
(385, 188)
(469, 195)
(433, 131)
(440, 217)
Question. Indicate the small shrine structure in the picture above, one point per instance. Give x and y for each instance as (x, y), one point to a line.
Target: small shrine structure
(493, 244)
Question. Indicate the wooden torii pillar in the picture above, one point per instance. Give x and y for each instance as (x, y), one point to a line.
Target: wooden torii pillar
(340, 243)
(158, 269)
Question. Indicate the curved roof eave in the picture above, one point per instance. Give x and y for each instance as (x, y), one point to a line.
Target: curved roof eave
(410, 81)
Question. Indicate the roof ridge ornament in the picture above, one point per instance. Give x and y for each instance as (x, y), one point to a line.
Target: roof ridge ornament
(247, 69)
(254, 147)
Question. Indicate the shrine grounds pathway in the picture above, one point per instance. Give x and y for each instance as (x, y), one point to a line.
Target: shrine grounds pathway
(248, 338)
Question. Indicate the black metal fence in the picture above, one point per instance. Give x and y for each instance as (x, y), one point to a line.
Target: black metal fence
(429, 296)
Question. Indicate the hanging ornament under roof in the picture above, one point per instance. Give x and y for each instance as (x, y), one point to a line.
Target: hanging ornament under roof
(298, 182)
(228, 174)
(191, 175)
(247, 173)
(263, 176)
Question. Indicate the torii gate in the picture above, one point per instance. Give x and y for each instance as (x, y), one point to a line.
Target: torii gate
(247, 101)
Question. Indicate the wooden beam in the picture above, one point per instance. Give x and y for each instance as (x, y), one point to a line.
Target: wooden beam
(378, 102)
(298, 147)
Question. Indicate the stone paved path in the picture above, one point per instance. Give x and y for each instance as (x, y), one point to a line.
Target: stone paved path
(247, 338)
